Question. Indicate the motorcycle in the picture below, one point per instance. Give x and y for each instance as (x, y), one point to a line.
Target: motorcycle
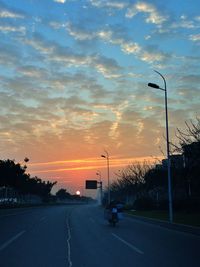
(113, 218)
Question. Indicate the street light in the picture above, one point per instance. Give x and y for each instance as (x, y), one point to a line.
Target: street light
(155, 86)
(107, 157)
(100, 182)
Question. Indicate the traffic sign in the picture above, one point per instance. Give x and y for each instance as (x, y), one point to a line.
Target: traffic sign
(91, 184)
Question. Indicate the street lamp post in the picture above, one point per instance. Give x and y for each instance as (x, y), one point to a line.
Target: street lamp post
(153, 85)
(108, 172)
(100, 182)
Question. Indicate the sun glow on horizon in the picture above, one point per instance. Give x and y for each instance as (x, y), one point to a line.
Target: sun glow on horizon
(89, 164)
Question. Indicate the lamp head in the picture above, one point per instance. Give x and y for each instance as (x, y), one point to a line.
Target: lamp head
(154, 85)
(26, 159)
(103, 156)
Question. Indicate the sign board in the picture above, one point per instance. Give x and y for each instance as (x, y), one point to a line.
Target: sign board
(91, 184)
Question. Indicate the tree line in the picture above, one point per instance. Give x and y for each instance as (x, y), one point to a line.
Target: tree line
(16, 182)
(63, 195)
(145, 185)
(13, 175)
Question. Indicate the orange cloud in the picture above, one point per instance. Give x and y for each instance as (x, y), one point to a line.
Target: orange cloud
(85, 164)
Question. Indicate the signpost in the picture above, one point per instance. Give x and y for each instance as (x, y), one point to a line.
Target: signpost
(93, 184)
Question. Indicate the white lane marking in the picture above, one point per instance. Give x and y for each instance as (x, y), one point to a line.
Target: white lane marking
(68, 243)
(11, 240)
(128, 244)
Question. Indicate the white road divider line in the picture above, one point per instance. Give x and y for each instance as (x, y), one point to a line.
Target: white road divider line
(128, 244)
(11, 240)
(68, 243)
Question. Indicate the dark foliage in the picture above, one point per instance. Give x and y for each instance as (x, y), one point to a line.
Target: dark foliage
(144, 203)
(63, 194)
(147, 186)
(14, 175)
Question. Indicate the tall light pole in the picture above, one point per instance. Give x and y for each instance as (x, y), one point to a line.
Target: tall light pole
(100, 182)
(108, 171)
(153, 85)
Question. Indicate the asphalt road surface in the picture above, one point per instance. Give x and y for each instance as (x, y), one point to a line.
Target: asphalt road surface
(78, 236)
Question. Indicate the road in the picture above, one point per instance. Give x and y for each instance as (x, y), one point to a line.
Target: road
(78, 236)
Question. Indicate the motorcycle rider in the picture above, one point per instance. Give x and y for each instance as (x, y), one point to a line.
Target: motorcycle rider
(112, 212)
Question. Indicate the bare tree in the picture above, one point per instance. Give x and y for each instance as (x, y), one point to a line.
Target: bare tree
(189, 147)
(130, 180)
(188, 136)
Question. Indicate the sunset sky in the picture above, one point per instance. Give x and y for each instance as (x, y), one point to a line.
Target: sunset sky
(73, 82)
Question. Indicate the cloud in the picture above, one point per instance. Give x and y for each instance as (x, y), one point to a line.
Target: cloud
(7, 13)
(194, 37)
(118, 111)
(191, 79)
(109, 4)
(10, 55)
(130, 47)
(63, 55)
(193, 95)
(30, 71)
(117, 37)
(80, 34)
(40, 44)
(108, 67)
(10, 18)
(71, 120)
(176, 27)
(107, 35)
(143, 7)
(60, 1)
(32, 104)
(153, 55)
(9, 28)
(184, 22)
(56, 25)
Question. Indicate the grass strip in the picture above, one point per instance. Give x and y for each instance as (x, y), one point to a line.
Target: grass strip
(191, 219)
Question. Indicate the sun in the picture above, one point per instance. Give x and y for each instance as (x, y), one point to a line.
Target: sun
(78, 193)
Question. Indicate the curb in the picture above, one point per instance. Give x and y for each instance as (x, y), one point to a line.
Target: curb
(173, 226)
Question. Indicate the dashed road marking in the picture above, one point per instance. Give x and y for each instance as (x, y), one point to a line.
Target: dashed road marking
(128, 244)
(11, 240)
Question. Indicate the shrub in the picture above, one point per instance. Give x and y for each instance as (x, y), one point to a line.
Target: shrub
(144, 203)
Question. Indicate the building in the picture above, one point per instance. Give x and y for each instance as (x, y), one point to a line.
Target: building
(177, 162)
